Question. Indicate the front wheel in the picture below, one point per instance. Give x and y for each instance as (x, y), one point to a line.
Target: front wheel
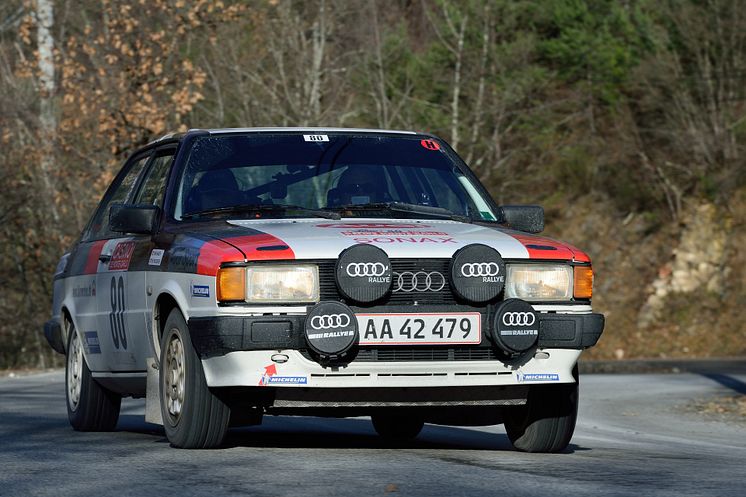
(546, 422)
(90, 407)
(193, 416)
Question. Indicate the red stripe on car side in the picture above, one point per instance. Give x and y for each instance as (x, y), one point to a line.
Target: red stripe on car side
(539, 247)
(213, 253)
(91, 262)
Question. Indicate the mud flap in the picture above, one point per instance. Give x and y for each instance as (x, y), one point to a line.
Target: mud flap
(152, 394)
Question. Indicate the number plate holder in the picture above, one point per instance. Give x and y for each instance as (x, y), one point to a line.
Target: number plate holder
(426, 328)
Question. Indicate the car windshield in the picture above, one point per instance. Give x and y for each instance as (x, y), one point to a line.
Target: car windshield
(302, 175)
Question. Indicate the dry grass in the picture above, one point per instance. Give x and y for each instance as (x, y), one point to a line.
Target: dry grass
(732, 408)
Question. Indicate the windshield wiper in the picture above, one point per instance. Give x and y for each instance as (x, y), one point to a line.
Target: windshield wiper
(426, 210)
(264, 208)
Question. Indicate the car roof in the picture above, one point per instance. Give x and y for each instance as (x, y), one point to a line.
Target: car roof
(314, 129)
(223, 131)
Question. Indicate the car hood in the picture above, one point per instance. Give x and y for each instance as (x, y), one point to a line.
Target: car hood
(399, 238)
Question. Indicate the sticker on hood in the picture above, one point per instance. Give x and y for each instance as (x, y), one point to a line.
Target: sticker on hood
(320, 239)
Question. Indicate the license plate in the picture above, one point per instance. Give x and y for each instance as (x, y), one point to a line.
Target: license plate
(420, 329)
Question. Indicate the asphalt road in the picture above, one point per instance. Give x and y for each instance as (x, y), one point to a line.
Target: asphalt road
(635, 437)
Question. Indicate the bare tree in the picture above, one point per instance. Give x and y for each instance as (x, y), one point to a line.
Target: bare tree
(696, 80)
(47, 89)
(452, 38)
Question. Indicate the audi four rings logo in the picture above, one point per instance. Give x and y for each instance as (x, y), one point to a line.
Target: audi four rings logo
(330, 321)
(519, 318)
(420, 281)
(475, 269)
(357, 269)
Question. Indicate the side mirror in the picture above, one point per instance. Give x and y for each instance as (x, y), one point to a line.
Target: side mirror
(129, 218)
(528, 218)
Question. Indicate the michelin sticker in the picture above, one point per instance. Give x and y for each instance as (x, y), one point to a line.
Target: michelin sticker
(270, 377)
(91, 342)
(156, 256)
(524, 377)
(287, 380)
(200, 291)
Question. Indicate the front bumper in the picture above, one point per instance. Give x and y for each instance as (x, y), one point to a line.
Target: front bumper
(270, 351)
(218, 336)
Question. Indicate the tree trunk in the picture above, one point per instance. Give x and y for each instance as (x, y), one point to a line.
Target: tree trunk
(47, 88)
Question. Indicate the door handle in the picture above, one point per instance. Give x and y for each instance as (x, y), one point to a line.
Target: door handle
(104, 258)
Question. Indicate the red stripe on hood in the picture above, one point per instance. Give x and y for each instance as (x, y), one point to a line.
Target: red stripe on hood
(262, 247)
(259, 247)
(539, 247)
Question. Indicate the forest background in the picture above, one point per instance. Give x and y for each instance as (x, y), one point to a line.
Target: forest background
(625, 119)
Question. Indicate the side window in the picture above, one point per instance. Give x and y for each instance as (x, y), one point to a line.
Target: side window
(154, 185)
(99, 226)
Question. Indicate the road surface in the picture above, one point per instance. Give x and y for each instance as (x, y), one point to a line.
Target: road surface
(636, 436)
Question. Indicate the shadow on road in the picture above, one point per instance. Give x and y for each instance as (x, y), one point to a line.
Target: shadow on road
(358, 434)
(727, 381)
(319, 433)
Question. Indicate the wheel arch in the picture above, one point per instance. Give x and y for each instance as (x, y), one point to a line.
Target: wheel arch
(164, 304)
(67, 310)
(66, 319)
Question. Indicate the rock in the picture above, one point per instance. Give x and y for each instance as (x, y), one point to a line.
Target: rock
(696, 264)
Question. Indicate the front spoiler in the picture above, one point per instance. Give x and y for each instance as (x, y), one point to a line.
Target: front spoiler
(290, 369)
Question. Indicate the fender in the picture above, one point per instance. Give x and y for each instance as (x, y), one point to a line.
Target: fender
(176, 292)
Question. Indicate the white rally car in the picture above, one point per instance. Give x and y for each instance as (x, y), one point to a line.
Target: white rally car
(233, 273)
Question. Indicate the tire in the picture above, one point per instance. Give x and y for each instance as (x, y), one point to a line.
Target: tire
(547, 422)
(90, 407)
(397, 427)
(193, 417)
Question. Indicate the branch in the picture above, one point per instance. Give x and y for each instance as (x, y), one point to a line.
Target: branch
(13, 20)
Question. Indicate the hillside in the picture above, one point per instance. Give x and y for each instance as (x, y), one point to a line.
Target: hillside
(626, 120)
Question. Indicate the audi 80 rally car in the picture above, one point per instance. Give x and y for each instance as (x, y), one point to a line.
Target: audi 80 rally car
(228, 274)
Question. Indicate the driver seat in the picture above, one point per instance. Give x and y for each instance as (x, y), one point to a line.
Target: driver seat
(216, 188)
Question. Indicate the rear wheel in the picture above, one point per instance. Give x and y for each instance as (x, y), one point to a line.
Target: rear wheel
(397, 427)
(193, 417)
(90, 407)
(547, 422)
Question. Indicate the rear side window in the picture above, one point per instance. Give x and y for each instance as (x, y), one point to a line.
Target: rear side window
(98, 228)
(154, 185)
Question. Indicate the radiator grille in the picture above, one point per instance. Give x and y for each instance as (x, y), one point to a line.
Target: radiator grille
(406, 267)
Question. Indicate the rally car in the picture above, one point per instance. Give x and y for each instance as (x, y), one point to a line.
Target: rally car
(235, 273)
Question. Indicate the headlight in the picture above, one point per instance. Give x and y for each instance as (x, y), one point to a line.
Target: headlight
(277, 284)
(539, 282)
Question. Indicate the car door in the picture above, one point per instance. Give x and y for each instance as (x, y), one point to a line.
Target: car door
(116, 293)
(151, 192)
